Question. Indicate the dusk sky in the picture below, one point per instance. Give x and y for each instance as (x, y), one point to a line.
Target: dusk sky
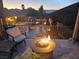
(47, 4)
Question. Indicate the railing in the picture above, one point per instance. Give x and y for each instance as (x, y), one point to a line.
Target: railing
(56, 32)
(65, 31)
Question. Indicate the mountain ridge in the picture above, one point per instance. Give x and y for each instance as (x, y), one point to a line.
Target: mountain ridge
(66, 16)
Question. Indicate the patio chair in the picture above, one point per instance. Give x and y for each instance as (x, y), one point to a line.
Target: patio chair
(15, 35)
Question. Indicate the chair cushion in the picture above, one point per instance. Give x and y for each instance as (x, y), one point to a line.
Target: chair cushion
(19, 38)
(14, 31)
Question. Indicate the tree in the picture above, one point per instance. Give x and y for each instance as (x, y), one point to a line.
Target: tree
(31, 12)
(41, 11)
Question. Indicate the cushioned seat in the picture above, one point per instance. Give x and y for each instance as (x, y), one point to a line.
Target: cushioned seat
(20, 38)
(16, 35)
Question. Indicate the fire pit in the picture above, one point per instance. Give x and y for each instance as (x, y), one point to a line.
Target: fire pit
(43, 48)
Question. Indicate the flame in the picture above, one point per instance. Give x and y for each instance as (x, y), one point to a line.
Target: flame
(44, 40)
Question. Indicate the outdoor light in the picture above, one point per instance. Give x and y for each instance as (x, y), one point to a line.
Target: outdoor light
(45, 23)
(43, 48)
(15, 17)
(37, 22)
(10, 20)
(48, 29)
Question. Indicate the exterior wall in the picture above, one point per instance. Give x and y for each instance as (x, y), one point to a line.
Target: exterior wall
(2, 18)
(1, 8)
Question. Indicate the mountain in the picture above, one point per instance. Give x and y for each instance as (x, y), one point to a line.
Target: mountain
(28, 12)
(8, 12)
(66, 15)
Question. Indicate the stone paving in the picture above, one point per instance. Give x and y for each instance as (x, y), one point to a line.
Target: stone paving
(74, 54)
(64, 50)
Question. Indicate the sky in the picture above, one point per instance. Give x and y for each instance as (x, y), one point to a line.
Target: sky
(47, 4)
